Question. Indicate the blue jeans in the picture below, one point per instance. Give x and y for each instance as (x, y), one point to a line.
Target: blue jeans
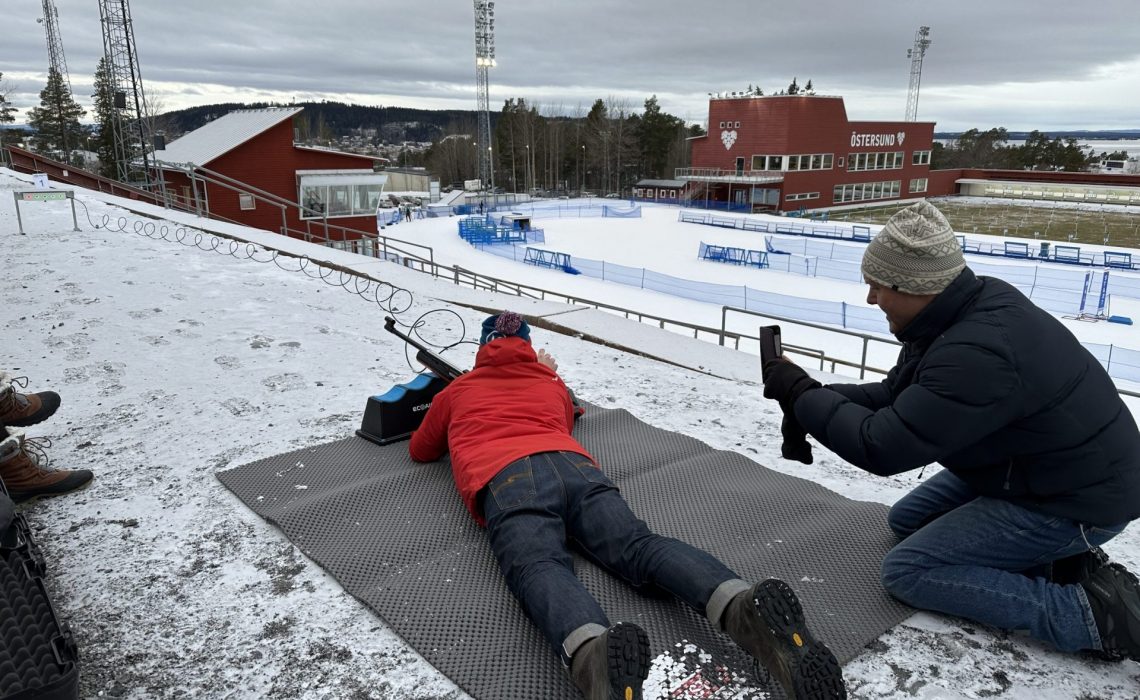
(974, 557)
(537, 504)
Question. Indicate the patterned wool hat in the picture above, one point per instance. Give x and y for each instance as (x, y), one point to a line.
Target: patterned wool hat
(916, 252)
(504, 325)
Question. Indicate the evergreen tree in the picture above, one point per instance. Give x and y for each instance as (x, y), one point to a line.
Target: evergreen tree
(656, 137)
(793, 89)
(105, 121)
(56, 120)
(7, 113)
(808, 88)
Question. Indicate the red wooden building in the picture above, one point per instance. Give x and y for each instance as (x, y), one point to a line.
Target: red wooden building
(790, 152)
(245, 167)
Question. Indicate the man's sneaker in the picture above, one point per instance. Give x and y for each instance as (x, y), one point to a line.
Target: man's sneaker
(613, 665)
(1078, 567)
(768, 622)
(22, 410)
(25, 472)
(1114, 596)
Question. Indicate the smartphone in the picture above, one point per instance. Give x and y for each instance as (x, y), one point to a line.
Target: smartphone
(770, 346)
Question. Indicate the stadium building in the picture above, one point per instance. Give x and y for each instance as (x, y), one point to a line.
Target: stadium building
(791, 152)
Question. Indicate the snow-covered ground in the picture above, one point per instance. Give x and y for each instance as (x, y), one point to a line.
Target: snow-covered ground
(176, 362)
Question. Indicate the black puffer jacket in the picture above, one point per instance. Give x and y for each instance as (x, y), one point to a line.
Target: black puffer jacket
(1000, 393)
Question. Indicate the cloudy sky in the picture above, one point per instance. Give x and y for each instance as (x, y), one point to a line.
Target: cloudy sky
(1021, 64)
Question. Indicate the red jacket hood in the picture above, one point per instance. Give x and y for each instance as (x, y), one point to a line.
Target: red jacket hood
(504, 351)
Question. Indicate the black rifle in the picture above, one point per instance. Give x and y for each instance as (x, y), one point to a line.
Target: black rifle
(439, 366)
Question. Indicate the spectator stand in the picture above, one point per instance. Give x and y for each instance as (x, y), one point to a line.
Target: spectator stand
(480, 230)
(549, 258)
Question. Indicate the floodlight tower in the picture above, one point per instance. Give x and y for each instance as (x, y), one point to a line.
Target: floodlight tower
(129, 125)
(916, 54)
(56, 60)
(484, 61)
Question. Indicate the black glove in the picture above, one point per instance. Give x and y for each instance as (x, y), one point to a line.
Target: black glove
(795, 447)
(785, 382)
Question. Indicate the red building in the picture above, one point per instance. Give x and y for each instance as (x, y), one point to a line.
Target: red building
(791, 152)
(245, 167)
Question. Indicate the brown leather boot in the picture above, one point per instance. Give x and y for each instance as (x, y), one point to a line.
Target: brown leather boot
(768, 622)
(21, 410)
(25, 472)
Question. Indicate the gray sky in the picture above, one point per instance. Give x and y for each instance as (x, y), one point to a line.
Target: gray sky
(1021, 64)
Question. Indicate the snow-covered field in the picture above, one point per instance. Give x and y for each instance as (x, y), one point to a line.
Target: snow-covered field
(175, 363)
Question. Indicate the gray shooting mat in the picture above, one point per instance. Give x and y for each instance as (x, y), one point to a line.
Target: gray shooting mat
(396, 536)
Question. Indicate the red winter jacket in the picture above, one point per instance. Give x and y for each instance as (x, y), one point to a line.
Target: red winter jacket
(507, 408)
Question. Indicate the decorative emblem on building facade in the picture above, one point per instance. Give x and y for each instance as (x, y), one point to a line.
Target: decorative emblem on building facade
(728, 137)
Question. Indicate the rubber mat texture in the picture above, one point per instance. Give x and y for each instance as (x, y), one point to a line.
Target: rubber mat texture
(395, 534)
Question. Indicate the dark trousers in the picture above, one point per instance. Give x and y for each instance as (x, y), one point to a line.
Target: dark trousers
(535, 506)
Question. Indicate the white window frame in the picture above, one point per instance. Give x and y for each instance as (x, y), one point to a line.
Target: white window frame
(246, 202)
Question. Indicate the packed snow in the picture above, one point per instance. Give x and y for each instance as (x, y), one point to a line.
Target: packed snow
(177, 361)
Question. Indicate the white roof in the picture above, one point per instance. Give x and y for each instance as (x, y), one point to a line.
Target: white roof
(223, 135)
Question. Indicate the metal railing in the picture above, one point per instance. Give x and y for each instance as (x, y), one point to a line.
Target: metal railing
(327, 233)
(727, 174)
(862, 366)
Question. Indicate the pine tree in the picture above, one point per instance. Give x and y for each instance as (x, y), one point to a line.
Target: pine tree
(56, 120)
(7, 112)
(793, 89)
(105, 117)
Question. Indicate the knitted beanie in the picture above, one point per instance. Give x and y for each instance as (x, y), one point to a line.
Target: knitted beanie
(916, 252)
(504, 325)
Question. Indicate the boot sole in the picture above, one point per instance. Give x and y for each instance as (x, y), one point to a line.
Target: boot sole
(627, 657)
(22, 498)
(805, 667)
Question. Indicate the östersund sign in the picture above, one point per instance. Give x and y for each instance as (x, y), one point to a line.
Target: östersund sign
(868, 140)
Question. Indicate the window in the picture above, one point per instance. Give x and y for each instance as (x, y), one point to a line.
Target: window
(793, 163)
(840, 163)
(827, 161)
(921, 158)
(339, 193)
(918, 185)
(245, 201)
(802, 195)
(866, 190)
(672, 194)
(758, 163)
(775, 162)
(737, 125)
(722, 125)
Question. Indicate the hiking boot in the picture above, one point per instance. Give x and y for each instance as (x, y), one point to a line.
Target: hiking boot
(613, 665)
(22, 410)
(1114, 596)
(1078, 567)
(768, 622)
(25, 472)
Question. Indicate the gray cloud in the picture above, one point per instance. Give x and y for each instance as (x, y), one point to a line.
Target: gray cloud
(570, 53)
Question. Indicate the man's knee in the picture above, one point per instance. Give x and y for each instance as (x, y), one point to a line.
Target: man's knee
(900, 572)
(899, 520)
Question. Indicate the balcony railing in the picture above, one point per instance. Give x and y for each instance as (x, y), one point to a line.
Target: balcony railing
(729, 175)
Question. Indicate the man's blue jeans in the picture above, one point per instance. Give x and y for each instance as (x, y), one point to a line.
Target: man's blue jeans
(973, 556)
(536, 504)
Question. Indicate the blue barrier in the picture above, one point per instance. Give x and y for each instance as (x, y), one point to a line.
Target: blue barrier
(1121, 261)
(549, 258)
